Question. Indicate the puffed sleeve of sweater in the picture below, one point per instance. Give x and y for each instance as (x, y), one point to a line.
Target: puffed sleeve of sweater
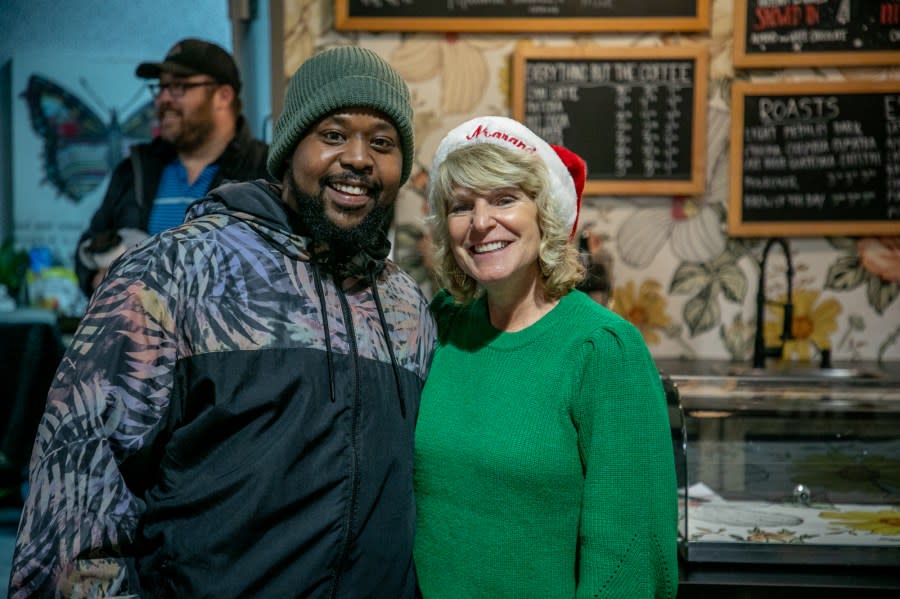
(627, 537)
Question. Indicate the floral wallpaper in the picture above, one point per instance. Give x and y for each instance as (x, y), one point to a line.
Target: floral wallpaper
(675, 272)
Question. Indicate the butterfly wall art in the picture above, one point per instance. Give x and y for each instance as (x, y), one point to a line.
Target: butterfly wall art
(80, 147)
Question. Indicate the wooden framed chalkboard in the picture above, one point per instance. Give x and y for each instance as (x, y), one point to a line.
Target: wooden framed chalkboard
(636, 115)
(502, 16)
(784, 33)
(815, 158)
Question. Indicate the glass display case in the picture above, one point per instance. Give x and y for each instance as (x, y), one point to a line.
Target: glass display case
(787, 472)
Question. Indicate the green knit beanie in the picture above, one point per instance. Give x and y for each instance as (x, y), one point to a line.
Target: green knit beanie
(341, 77)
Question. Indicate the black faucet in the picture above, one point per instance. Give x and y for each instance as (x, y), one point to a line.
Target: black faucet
(760, 351)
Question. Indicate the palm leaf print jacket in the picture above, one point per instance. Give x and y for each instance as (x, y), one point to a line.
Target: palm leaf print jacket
(231, 420)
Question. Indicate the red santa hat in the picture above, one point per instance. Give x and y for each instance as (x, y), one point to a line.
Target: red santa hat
(567, 169)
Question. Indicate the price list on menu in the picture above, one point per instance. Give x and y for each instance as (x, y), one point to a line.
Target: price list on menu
(821, 157)
(630, 119)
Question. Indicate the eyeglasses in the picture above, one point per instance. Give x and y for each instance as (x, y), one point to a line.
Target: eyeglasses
(177, 89)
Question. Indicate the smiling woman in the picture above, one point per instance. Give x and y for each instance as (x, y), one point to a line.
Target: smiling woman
(494, 235)
(521, 460)
(493, 180)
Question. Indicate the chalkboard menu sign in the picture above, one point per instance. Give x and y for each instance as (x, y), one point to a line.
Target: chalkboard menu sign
(779, 33)
(817, 158)
(636, 115)
(517, 15)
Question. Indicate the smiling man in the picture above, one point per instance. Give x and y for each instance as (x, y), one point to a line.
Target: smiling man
(235, 415)
(203, 140)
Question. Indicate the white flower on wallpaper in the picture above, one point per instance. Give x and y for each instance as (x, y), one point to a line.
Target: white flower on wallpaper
(692, 230)
(459, 62)
(691, 226)
(300, 33)
(720, 39)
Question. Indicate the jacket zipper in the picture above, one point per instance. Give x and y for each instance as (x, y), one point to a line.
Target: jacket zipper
(354, 463)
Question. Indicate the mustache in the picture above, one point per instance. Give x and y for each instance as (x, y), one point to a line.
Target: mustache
(350, 178)
(166, 107)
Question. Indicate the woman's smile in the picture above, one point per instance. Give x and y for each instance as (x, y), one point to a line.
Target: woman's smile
(493, 246)
(494, 235)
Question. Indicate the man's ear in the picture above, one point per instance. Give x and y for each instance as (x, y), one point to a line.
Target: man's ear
(225, 95)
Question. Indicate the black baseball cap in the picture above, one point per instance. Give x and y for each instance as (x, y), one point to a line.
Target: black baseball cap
(194, 57)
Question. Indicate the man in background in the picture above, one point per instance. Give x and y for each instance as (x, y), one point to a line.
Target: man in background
(203, 140)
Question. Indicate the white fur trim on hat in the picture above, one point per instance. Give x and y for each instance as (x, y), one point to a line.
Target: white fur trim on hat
(512, 134)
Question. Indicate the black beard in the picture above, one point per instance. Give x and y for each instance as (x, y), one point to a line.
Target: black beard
(195, 131)
(342, 242)
(194, 136)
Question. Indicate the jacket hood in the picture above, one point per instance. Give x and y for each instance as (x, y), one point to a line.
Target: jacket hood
(257, 204)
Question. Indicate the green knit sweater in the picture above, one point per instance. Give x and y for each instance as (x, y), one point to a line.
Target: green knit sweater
(544, 463)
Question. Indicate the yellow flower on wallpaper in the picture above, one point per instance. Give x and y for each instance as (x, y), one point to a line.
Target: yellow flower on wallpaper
(812, 324)
(458, 61)
(646, 309)
(885, 522)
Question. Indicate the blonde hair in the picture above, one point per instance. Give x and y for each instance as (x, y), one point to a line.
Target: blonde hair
(483, 167)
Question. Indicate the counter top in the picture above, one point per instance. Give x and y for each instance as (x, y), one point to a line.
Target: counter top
(681, 368)
(752, 438)
(720, 384)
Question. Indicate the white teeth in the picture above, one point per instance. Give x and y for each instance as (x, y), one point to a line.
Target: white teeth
(489, 247)
(350, 189)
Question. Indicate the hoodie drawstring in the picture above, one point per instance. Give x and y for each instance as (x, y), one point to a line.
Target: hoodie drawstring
(320, 291)
(390, 347)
